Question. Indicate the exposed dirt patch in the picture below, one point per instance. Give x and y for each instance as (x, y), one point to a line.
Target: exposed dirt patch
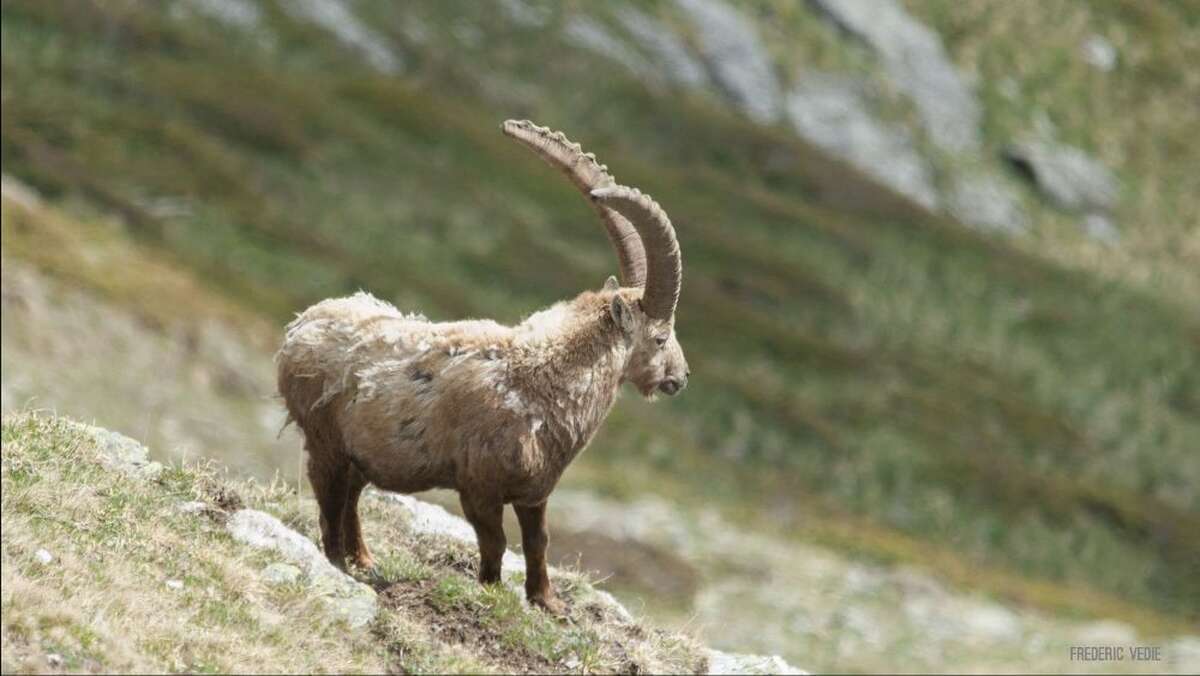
(463, 624)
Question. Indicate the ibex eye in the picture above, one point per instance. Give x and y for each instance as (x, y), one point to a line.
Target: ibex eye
(660, 341)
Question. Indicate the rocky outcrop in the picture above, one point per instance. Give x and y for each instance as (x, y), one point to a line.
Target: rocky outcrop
(335, 17)
(735, 58)
(986, 202)
(917, 64)
(1072, 180)
(239, 13)
(589, 33)
(121, 453)
(832, 113)
(1067, 176)
(348, 598)
(672, 57)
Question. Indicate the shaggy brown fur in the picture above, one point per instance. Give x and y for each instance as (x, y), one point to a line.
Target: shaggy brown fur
(493, 411)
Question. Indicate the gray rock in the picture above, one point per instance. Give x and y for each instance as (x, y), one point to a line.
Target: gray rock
(987, 203)
(591, 34)
(280, 573)
(191, 507)
(123, 454)
(1101, 228)
(917, 64)
(339, 19)
(174, 585)
(239, 13)
(832, 113)
(736, 663)
(352, 600)
(1067, 176)
(608, 600)
(671, 56)
(430, 519)
(16, 190)
(1100, 53)
(522, 13)
(735, 58)
(988, 621)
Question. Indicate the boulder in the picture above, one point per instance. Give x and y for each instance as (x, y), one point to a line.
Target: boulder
(735, 57)
(832, 113)
(1067, 176)
(339, 19)
(123, 454)
(589, 33)
(353, 601)
(917, 64)
(671, 57)
(987, 203)
(280, 573)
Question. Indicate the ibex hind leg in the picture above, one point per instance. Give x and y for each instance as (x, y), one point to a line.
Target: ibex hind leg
(352, 539)
(328, 472)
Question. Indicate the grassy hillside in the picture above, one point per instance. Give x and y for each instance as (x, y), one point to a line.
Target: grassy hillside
(137, 574)
(866, 375)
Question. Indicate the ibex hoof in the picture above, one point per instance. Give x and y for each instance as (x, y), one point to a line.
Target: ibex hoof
(549, 603)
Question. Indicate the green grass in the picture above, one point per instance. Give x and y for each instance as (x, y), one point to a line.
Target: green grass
(137, 585)
(976, 401)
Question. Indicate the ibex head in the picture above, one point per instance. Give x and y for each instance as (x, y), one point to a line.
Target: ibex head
(643, 304)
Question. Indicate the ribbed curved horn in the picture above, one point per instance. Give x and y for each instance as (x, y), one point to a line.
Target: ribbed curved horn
(587, 174)
(665, 271)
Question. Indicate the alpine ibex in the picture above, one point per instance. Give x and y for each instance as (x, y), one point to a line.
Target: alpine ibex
(496, 412)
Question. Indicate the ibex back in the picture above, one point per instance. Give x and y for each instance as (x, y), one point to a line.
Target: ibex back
(496, 412)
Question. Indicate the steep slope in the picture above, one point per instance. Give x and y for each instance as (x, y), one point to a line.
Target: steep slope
(150, 569)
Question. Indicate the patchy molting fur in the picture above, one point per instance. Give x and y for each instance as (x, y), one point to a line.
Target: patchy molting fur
(493, 411)
(425, 405)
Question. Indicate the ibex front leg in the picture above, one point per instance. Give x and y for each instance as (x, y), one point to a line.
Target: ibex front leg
(487, 517)
(534, 539)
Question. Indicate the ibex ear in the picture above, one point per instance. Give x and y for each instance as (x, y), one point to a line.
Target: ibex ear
(622, 314)
(611, 284)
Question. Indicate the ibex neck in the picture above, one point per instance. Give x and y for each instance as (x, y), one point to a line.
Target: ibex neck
(574, 358)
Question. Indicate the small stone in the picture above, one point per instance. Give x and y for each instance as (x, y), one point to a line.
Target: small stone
(191, 507)
(43, 556)
(1101, 228)
(1100, 53)
(280, 573)
(175, 584)
(54, 659)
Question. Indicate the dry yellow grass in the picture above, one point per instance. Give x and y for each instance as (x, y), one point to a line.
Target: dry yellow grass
(104, 572)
